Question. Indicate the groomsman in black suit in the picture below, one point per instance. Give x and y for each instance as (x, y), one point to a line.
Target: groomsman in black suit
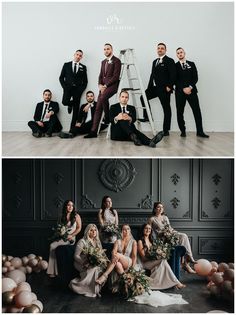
(85, 118)
(161, 83)
(45, 117)
(73, 80)
(186, 90)
(123, 117)
(108, 82)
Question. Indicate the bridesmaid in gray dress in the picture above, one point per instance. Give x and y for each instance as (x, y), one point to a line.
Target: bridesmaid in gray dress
(124, 255)
(158, 222)
(86, 284)
(162, 276)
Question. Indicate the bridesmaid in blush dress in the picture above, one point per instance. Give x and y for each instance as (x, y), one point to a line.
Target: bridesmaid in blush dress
(158, 222)
(86, 284)
(162, 276)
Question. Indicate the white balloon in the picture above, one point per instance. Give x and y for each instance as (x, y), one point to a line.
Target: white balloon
(25, 260)
(43, 264)
(10, 268)
(7, 264)
(31, 256)
(16, 262)
(39, 304)
(34, 297)
(23, 286)
(4, 269)
(28, 269)
(8, 284)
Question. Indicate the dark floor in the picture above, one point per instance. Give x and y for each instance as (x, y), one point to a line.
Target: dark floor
(59, 299)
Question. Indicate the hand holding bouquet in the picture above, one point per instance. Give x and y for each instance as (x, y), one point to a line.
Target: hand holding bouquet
(96, 256)
(61, 232)
(159, 250)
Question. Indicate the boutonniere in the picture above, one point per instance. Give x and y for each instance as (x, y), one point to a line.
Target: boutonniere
(110, 62)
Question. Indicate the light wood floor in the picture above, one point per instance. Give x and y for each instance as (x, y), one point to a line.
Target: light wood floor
(24, 144)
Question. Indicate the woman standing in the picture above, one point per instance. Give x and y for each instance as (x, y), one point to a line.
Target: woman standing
(124, 255)
(107, 218)
(162, 277)
(86, 284)
(72, 222)
(158, 223)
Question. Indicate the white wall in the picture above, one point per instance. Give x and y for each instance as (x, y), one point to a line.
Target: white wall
(39, 37)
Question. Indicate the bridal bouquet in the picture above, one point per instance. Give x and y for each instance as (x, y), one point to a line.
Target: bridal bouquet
(170, 235)
(133, 283)
(111, 230)
(159, 250)
(96, 256)
(61, 232)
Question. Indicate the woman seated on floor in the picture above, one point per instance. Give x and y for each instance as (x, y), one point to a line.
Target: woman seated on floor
(162, 276)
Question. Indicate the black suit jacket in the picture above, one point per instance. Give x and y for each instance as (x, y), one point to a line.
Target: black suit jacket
(68, 78)
(52, 106)
(163, 74)
(186, 77)
(83, 115)
(116, 132)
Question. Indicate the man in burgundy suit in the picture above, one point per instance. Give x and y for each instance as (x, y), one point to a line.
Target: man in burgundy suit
(108, 82)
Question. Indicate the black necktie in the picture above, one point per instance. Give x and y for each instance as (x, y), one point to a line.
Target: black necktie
(123, 109)
(44, 113)
(75, 68)
(184, 66)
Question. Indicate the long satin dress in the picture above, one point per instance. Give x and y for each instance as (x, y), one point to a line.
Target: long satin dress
(158, 225)
(52, 262)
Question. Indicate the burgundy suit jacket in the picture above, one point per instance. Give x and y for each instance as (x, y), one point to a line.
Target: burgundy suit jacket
(112, 76)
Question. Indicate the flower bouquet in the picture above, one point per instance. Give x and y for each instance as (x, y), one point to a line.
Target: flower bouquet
(111, 230)
(96, 256)
(169, 235)
(159, 250)
(61, 232)
(133, 283)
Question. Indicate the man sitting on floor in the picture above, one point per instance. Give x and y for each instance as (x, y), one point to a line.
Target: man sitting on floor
(123, 117)
(45, 117)
(85, 118)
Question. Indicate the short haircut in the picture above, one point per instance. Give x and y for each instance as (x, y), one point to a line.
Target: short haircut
(161, 44)
(47, 90)
(179, 48)
(124, 91)
(79, 51)
(89, 92)
(107, 44)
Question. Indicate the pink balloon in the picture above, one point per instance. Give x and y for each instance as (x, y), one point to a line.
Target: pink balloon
(39, 304)
(17, 275)
(28, 269)
(33, 262)
(25, 260)
(217, 278)
(8, 284)
(7, 264)
(222, 267)
(16, 262)
(43, 264)
(229, 274)
(214, 264)
(23, 298)
(231, 265)
(23, 286)
(202, 267)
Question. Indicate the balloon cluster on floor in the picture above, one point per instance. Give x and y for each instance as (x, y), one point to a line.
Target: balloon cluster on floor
(16, 292)
(220, 277)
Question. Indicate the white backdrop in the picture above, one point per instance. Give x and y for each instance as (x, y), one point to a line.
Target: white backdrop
(39, 37)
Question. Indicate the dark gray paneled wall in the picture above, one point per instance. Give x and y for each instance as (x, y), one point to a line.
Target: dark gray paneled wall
(198, 198)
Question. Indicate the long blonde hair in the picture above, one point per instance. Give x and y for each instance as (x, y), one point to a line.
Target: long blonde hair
(86, 234)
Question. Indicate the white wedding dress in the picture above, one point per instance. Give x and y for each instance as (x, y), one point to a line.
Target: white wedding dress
(157, 298)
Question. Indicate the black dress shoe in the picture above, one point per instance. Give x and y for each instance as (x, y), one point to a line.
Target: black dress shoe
(202, 135)
(92, 134)
(66, 135)
(37, 134)
(143, 119)
(135, 139)
(183, 134)
(156, 139)
(166, 133)
(69, 109)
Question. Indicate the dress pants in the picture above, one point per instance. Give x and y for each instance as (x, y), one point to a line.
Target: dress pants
(48, 126)
(193, 101)
(74, 92)
(164, 98)
(127, 129)
(103, 104)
